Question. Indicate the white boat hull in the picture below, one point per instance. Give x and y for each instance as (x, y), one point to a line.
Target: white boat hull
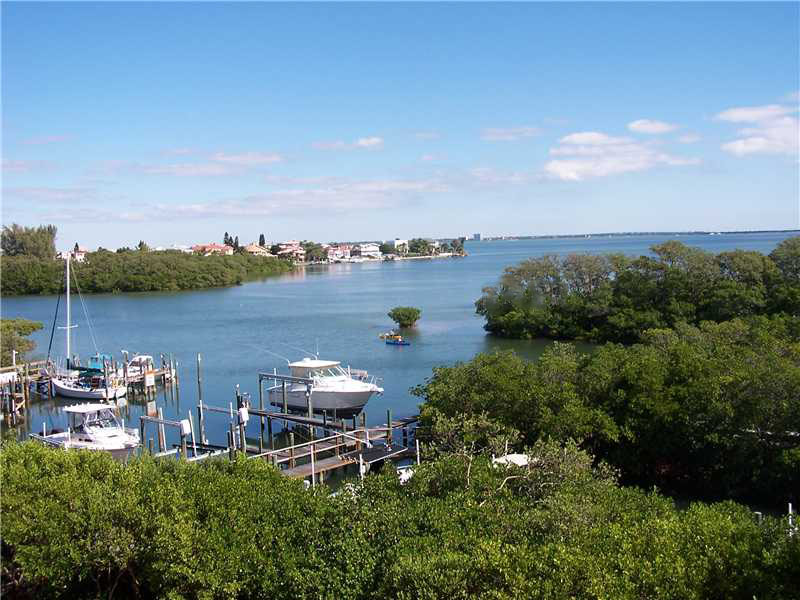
(70, 390)
(345, 404)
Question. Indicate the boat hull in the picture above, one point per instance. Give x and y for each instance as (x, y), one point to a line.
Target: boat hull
(67, 390)
(345, 404)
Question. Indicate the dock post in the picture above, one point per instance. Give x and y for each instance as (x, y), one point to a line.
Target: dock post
(141, 432)
(199, 380)
(269, 433)
(308, 401)
(361, 466)
(162, 438)
(231, 449)
(291, 449)
(151, 446)
(313, 483)
(261, 408)
(389, 426)
(325, 419)
(417, 444)
(194, 442)
(184, 452)
(285, 400)
(125, 369)
(201, 422)
(242, 438)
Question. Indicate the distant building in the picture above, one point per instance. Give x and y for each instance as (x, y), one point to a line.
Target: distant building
(476, 237)
(368, 250)
(339, 252)
(208, 249)
(292, 249)
(78, 254)
(257, 250)
(399, 246)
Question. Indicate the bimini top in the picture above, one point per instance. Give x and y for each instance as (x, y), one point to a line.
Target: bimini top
(314, 363)
(87, 408)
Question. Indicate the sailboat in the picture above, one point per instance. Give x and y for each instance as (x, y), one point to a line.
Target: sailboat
(70, 383)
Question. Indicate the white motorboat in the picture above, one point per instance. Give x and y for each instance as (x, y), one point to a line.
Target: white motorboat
(94, 427)
(333, 389)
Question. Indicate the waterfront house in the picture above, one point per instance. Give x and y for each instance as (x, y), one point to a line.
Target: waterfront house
(257, 250)
(339, 252)
(208, 249)
(293, 250)
(367, 250)
(398, 245)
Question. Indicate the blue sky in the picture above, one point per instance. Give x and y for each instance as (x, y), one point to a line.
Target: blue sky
(177, 122)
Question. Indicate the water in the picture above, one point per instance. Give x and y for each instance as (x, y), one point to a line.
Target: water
(339, 309)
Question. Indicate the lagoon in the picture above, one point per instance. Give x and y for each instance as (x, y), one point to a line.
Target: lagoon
(338, 309)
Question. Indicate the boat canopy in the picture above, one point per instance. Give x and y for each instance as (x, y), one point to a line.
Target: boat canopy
(87, 408)
(312, 363)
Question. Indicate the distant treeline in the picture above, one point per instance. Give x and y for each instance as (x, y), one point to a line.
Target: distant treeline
(79, 525)
(135, 271)
(616, 298)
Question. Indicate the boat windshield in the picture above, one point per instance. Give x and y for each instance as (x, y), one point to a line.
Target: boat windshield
(102, 418)
(332, 372)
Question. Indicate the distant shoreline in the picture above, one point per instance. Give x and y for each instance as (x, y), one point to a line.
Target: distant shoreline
(627, 234)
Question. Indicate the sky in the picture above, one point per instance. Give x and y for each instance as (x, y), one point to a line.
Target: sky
(177, 122)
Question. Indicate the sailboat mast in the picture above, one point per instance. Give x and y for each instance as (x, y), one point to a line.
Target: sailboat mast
(69, 317)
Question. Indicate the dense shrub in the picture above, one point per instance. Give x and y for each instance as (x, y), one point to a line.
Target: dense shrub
(79, 525)
(705, 411)
(616, 298)
(135, 271)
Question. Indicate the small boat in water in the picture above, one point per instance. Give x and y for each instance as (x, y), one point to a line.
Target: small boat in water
(94, 427)
(334, 389)
(397, 341)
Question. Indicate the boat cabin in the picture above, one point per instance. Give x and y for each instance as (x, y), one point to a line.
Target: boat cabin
(313, 367)
(82, 417)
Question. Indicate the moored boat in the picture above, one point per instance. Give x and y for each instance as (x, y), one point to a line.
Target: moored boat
(327, 385)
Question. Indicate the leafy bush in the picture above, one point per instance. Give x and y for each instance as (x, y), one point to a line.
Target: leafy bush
(706, 412)
(136, 271)
(78, 524)
(405, 316)
(615, 298)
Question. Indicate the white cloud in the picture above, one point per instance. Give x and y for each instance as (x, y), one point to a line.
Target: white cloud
(754, 114)
(508, 134)
(774, 130)
(651, 126)
(50, 194)
(689, 138)
(190, 170)
(487, 175)
(248, 159)
(593, 138)
(595, 154)
(370, 142)
(26, 166)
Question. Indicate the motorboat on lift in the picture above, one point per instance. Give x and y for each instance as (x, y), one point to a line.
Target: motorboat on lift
(333, 388)
(93, 427)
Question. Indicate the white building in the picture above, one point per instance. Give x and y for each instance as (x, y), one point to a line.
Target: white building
(369, 250)
(399, 246)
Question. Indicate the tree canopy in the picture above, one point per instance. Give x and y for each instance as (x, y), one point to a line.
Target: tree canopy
(616, 298)
(104, 272)
(708, 411)
(14, 338)
(39, 242)
(405, 316)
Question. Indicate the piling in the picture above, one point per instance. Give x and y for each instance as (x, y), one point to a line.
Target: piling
(389, 426)
(162, 438)
(199, 381)
(291, 449)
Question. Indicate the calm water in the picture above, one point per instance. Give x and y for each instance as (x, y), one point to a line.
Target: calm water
(340, 309)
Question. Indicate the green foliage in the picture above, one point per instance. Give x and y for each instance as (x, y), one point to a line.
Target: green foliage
(78, 524)
(39, 242)
(314, 251)
(615, 298)
(13, 337)
(704, 411)
(386, 248)
(105, 272)
(405, 316)
(420, 247)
